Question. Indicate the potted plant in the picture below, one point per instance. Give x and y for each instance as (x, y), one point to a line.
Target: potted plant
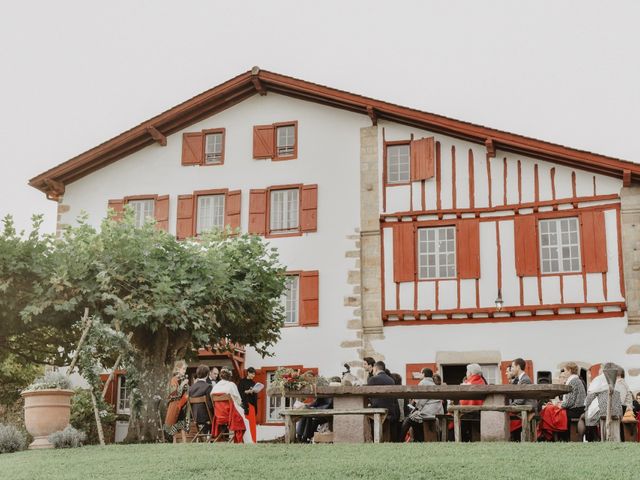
(47, 407)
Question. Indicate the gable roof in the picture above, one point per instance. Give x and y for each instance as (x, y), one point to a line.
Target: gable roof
(52, 182)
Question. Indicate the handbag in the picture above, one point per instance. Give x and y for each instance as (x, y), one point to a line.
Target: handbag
(629, 417)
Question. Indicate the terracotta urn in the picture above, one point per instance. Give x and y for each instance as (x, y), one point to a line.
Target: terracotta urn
(45, 412)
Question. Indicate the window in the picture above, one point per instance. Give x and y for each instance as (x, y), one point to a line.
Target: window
(437, 252)
(123, 405)
(290, 299)
(275, 403)
(143, 210)
(398, 163)
(491, 373)
(284, 211)
(559, 245)
(210, 213)
(213, 148)
(285, 141)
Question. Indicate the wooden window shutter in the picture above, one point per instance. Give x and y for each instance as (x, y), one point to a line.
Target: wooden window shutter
(118, 207)
(415, 368)
(594, 241)
(184, 227)
(192, 148)
(422, 159)
(258, 212)
(468, 248)
(261, 377)
(309, 299)
(404, 252)
(264, 141)
(309, 209)
(232, 210)
(162, 212)
(594, 370)
(526, 245)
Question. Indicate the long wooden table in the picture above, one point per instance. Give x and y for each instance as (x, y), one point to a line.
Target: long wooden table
(494, 426)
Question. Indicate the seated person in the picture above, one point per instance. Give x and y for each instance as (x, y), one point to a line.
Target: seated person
(474, 377)
(307, 427)
(425, 409)
(230, 412)
(597, 400)
(556, 416)
(201, 388)
(379, 378)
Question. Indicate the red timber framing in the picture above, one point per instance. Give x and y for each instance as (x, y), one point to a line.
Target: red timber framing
(404, 227)
(225, 95)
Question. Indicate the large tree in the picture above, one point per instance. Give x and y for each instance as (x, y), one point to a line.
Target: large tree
(172, 296)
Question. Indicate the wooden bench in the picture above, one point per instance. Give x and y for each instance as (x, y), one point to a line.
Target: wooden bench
(574, 435)
(630, 431)
(291, 416)
(523, 410)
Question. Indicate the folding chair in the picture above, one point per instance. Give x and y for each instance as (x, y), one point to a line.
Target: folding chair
(200, 427)
(223, 404)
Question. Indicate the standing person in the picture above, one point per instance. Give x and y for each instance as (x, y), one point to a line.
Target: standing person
(379, 377)
(176, 418)
(425, 409)
(369, 362)
(249, 399)
(231, 412)
(214, 373)
(201, 388)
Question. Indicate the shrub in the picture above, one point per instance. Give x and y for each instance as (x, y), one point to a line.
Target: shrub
(83, 418)
(56, 380)
(68, 438)
(11, 439)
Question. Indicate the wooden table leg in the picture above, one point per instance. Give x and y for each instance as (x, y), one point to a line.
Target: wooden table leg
(524, 435)
(494, 426)
(444, 430)
(289, 429)
(456, 426)
(377, 428)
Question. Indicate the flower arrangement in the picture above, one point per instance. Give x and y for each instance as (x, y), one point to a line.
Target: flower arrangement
(289, 379)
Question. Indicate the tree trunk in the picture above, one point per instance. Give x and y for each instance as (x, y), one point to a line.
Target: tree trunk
(155, 356)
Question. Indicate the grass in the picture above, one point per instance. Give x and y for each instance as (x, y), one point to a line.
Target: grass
(276, 461)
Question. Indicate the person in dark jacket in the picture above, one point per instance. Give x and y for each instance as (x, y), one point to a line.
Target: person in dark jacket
(307, 427)
(379, 377)
(201, 388)
(249, 399)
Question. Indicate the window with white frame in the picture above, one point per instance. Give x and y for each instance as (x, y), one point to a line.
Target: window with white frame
(123, 405)
(213, 148)
(143, 210)
(285, 140)
(284, 211)
(437, 252)
(398, 163)
(275, 403)
(491, 373)
(290, 299)
(210, 213)
(559, 245)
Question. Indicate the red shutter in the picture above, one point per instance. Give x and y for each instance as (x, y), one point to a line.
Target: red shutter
(404, 255)
(264, 141)
(261, 377)
(162, 212)
(528, 369)
(468, 248)
(258, 212)
(594, 241)
(526, 244)
(309, 209)
(309, 299)
(232, 209)
(192, 148)
(422, 159)
(184, 226)
(118, 207)
(594, 370)
(417, 368)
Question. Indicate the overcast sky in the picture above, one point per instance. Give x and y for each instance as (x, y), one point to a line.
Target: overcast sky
(76, 73)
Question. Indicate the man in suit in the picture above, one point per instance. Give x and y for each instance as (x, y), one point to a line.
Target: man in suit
(520, 377)
(379, 377)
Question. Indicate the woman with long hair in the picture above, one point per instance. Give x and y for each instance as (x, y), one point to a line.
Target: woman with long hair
(176, 418)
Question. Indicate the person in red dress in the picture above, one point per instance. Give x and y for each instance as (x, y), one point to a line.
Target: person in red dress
(176, 418)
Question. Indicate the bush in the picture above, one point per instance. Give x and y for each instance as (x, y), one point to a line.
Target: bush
(83, 418)
(55, 380)
(68, 438)
(11, 439)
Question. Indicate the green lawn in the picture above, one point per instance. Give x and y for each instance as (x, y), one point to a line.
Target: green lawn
(370, 462)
